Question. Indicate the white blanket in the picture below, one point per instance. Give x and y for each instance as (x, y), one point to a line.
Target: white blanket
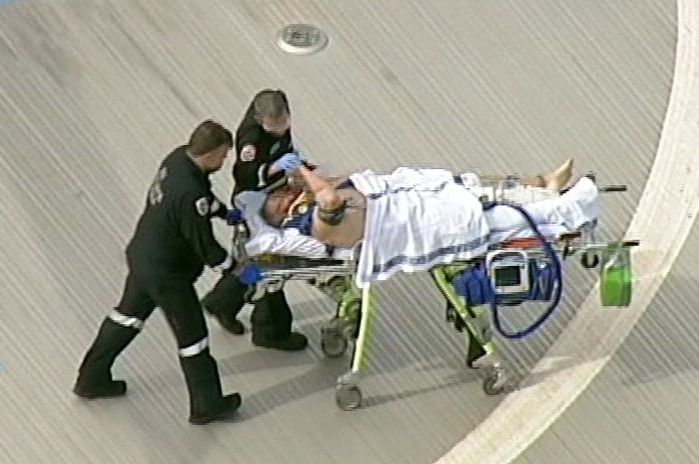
(553, 215)
(418, 218)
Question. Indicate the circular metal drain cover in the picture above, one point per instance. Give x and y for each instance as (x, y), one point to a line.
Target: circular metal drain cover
(302, 39)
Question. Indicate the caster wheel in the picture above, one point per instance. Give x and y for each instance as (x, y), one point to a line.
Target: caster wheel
(589, 260)
(494, 382)
(348, 397)
(333, 344)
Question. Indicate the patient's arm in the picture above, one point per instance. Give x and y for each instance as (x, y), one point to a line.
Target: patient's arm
(331, 206)
(323, 189)
(297, 179)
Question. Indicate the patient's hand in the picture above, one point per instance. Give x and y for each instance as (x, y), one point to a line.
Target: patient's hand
(295, 179)
(324, 191)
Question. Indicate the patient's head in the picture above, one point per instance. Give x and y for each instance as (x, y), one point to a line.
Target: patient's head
(278, 203)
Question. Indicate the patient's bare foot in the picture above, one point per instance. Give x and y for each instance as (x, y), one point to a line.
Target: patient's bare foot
(557, 179)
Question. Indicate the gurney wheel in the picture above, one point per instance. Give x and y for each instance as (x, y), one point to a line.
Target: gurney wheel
(333, 344)
(494, 382)
(589, 260)
(348, 397)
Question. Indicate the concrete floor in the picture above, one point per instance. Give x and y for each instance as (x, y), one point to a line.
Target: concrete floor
(95, 93)
(636, 411)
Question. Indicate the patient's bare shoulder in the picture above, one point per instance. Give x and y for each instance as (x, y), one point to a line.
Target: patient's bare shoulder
(354, 198)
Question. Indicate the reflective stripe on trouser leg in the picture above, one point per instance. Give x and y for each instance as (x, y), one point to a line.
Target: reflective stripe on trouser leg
(115, 333)
(195, 348)
(126, 321)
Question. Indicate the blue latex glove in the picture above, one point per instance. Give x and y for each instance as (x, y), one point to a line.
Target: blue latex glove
(251, 274)
(234, 216)
(288, 162)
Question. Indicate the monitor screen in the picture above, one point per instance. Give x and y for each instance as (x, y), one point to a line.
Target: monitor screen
(507, 276)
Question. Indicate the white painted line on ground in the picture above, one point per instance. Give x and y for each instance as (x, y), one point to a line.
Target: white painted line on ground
(663, 219)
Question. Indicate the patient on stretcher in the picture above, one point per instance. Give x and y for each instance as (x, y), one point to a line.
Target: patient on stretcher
(310, 209)
(412, 219)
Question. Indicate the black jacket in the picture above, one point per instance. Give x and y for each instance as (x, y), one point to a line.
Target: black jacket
(174, 238)
(256, 150)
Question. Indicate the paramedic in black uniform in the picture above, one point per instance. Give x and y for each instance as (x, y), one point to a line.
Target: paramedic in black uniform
(172, 243)
(264, 150)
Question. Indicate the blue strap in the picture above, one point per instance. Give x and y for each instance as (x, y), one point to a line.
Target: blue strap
(557, 275)
(302, 221)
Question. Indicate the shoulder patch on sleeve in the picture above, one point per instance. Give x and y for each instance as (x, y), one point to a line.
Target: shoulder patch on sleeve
(248, 152)
(202, 205)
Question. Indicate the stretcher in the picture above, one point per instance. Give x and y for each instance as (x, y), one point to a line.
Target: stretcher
(509, 274)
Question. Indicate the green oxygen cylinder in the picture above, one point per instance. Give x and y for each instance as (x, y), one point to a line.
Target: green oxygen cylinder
(616, 279)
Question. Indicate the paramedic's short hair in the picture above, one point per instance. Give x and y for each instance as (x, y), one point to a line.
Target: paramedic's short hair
(270, 103)
(208, 136)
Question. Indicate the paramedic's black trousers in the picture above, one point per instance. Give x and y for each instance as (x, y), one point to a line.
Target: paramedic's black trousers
(179, 303)
(271, 319)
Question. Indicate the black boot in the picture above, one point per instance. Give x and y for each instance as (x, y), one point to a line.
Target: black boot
(206, 400)
(230, 323)
(271, 324)
(292, 341)
(225, 301)
(94, 374)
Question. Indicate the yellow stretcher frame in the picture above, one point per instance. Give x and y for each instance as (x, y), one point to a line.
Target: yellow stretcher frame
(352, 322)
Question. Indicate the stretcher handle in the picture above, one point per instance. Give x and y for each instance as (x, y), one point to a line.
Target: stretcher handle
(614, 188)
(606, 188)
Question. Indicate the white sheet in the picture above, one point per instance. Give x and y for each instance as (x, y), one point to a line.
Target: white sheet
(554, 214)
(417, 219)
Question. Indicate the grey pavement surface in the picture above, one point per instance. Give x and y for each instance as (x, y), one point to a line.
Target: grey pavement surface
(94, 93)
(639, 408)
